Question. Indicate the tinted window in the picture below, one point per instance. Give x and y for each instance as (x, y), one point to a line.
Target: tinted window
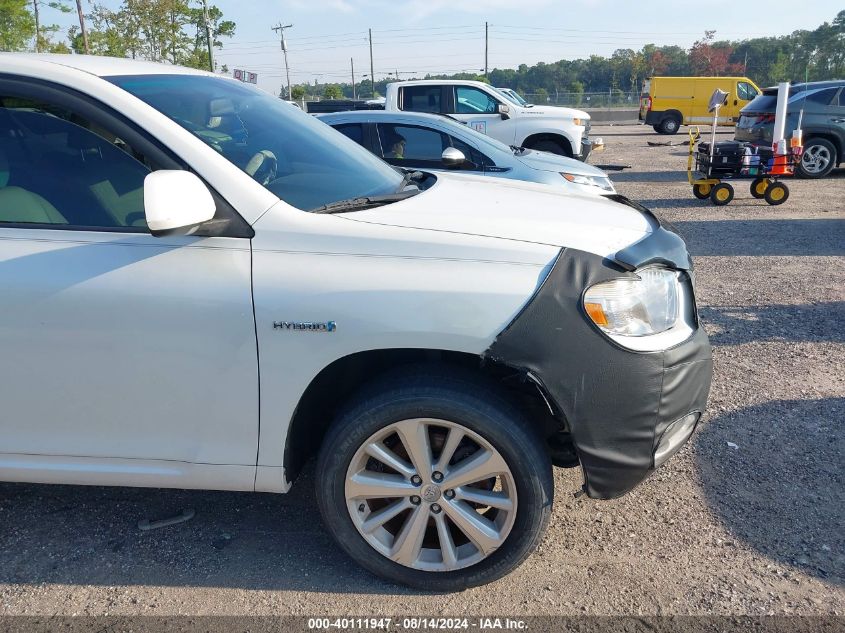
(841, 100)
(58, 168)
(822, 97)
(354, 131)
(421, 98)
(412, 143)
(478, 159)
(474, 101)
(299, 159)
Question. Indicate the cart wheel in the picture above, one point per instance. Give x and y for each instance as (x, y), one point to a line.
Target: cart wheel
(722, 194)
(702, 192)
(777, 193)
(758, 187)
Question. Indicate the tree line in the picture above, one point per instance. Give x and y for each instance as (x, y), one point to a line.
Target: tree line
(812, 55)
(156, 30)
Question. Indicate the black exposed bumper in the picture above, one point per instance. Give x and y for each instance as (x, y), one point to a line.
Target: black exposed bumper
(617, 402)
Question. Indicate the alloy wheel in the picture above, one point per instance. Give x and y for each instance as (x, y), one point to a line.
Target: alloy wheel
(431, 494)
(816, 159)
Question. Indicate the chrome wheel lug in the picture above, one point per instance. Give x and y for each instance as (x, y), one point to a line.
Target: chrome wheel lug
(416, 500)
(435, 508)
(437, 476)
(416, 480)
(449, 494)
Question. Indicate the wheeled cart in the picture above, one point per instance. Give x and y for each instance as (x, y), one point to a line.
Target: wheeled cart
(714, 163)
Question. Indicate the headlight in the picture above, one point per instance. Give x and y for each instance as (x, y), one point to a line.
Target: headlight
(594, 181)
(579, 121)
(647, 304)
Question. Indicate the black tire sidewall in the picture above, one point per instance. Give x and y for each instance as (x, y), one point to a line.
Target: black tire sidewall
(670, 125)
(753, 188)
(498, 425)
(772, 187)
(721, 187)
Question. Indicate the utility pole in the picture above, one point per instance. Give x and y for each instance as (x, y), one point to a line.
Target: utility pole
(745, 65)
(208, 35)
(37, 25)
(352, 63)
(372, 72)
(280, 29)
(486, 45)
(82, 27)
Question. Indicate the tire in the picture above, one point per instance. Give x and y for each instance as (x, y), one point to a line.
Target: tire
(759, 187)
(553, 147)
(818, 160)
(702, 192)
(777, 193)
(722, 194)
(438, 402)
(669, 125)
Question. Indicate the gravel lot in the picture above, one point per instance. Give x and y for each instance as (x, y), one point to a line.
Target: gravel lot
(754, 529)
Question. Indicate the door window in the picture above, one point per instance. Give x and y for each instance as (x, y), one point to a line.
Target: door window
(421, 98)
(745, 91)
(822, 97)
(411, 143)
(58, 168)
(470, 100)
(354, 131)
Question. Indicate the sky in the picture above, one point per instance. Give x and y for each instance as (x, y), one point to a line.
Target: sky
(416, 37)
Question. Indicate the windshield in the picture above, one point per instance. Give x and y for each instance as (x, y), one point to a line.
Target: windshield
(301, 160)
(512, 96)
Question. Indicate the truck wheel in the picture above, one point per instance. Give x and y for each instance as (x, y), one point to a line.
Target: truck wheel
(434, 481)
(758, 187)
(722, 194)
(553, 147)
(669, 125)
(818, 160)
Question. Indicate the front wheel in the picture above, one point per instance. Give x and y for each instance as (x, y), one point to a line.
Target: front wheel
(702, 192)
(777, 193)
(722, 194)
(435, 481)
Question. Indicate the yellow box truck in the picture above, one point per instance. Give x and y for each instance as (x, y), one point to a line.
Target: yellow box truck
(666, 103)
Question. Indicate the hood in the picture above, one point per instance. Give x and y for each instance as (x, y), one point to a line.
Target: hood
(516, 210)
(557, 111)
(544, 161)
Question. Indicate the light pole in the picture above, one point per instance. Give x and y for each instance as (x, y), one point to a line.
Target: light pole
(281, 30)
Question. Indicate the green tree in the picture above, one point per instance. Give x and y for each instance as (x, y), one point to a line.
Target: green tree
(17, 26)
(333, 91)
(297, 93)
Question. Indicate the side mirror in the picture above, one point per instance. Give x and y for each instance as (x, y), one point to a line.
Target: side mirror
(176, 202)
(453, 157)
(504, 111)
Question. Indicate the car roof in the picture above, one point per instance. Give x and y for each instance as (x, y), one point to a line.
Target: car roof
(367, 115)
(812, 85)
(104, 66)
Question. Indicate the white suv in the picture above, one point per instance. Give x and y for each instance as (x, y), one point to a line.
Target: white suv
(204, 288)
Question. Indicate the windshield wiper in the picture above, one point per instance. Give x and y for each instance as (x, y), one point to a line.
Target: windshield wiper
(364, 202)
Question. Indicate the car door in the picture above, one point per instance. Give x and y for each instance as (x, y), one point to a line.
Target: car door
(124, 355)
(480, 111)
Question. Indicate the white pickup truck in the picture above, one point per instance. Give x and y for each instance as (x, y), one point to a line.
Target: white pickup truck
(546, 128)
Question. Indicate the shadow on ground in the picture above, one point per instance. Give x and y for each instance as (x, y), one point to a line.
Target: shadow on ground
(727, 238)
(89, 536)
(782, 490)
(736, 325)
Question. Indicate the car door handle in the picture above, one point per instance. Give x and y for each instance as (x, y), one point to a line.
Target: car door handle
(838, 120)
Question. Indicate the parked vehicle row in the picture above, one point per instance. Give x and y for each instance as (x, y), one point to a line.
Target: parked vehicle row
(204, 287)
(437, 142)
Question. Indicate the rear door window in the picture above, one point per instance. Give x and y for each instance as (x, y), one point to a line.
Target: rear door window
(354, 131)
(822, 97)
(421, 98)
